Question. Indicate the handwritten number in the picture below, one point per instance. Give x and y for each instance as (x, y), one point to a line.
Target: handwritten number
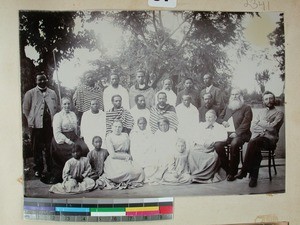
(254, 4)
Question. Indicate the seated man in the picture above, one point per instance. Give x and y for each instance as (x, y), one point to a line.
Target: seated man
(118, 113)
(93, 124)
(236, 118)
(140, 110)
(163, 110)
(265, 135)
(187, 115)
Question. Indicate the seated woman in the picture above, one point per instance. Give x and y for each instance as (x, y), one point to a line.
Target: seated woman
(203, 160)
(119, 166)
(141, 146)
(178, 170)
(164, 143)
(75, 175)
(64, 137)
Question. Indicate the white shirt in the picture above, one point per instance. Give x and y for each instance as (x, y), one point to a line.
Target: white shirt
(63, 122)
(188, 120)
(209, 135)
(93, 124)
(111, 91)
(208, 88)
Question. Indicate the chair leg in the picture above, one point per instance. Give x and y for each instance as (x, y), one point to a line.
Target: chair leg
(273, 159)
(269, 165)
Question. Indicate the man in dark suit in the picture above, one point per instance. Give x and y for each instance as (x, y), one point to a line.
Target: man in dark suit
(216, 93)
(208, 105)
(265, 135)
(236, 118)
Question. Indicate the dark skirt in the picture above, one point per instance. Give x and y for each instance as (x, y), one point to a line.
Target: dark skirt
(60, 153)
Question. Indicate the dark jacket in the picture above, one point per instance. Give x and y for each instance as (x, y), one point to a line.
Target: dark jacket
(242, 118)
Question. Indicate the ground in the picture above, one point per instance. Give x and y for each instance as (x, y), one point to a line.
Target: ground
(35, 188)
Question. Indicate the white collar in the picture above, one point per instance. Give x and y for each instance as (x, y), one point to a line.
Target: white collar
(208, 88)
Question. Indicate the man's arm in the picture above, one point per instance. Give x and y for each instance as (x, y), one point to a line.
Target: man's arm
(269, 125)
(27, 104)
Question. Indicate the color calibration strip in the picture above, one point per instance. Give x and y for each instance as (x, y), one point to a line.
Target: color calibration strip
(98, 210)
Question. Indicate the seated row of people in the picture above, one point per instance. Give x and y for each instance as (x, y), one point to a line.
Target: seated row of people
(129, 161)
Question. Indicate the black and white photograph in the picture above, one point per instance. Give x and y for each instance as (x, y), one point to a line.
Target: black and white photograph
(129, 104)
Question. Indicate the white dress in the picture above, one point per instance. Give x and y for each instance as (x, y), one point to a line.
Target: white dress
(203, 160)
(119, 170)
(188, 120)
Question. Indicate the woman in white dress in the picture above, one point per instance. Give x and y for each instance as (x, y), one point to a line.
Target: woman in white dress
(141, 144)
(119, 166)
(203, 160)
(164, 143)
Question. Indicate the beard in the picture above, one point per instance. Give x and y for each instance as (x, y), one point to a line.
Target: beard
(141, 106)
(236, 104)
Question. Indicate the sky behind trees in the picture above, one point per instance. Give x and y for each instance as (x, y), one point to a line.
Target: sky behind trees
(111, 39)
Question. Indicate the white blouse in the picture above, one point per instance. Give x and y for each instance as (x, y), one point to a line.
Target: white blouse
(64, 122)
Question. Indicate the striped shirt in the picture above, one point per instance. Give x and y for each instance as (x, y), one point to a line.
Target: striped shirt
(157, 114)
(83, 96)
(121, 114)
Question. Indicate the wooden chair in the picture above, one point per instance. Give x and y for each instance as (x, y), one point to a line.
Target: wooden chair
(270, 155)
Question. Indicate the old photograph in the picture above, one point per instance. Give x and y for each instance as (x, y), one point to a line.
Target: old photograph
(124, 104)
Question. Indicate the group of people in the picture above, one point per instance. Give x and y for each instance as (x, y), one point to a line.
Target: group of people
(127, 138)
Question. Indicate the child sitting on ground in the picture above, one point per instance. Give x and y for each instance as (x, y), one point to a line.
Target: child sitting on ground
(177, 171)
(97, 157)
(75, 175)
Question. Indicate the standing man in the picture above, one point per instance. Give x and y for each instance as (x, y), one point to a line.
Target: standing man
(85, 93)
(117, 112)
(236, 118)
(189, 90)
(216, 93)
(265, 135)
(115, 89)
(163, 110)
(140, 110)
(208, 105)
(39, 107)
(141, 88)
(93, 124)
(188, 121)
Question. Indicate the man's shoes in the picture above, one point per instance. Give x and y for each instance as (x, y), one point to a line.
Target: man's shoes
(241, 174)
(253, 182)
(230, 177)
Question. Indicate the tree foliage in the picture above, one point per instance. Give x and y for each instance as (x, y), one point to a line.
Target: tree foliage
(191, 49)
(49, 32)
(262, 78)
(277, 39)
